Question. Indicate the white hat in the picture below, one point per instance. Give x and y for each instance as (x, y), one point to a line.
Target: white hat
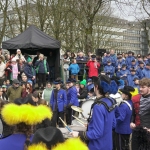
(18, 50)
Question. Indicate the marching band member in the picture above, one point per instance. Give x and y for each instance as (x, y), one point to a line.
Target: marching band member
(99, 131)
(72, 99)
(58, 103)
(123, 116)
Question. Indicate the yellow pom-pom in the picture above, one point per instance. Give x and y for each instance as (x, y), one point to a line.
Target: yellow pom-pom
(31, 115)
(136, 92)
(40, 146)
(71, 144)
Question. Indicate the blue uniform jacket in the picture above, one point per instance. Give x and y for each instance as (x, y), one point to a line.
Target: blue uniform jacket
(72, 96)
(106, 58)
(132, 66)
(90, 86)
(114, 60)
(139, 72)
(128, 60)
(29, 71)
(74, 68)
(61, 100)
(40, 64)
(145, 73)
(130, 79)
(123, 118)
(110, 70)
(120, 63)
(123, 72)
(100, 127)
(13, 142)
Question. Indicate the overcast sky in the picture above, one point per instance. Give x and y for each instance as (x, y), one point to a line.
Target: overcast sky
(129, 10)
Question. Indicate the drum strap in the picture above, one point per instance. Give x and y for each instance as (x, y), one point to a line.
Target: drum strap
(100, 101)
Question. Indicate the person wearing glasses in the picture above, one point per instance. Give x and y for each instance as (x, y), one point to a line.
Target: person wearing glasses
(14, 91)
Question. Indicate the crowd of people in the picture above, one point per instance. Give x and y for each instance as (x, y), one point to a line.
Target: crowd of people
(118, 84)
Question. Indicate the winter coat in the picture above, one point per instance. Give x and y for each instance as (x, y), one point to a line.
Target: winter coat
(121, 74)
(81, 61)
(74, 68)
(93, 68)
(83, 93)
(130, 79)
(139, 72)
(29, 71)
(106, 58)
(41, 66)
(46, 95)
(145, 73)
(129, 60)
(109, 70)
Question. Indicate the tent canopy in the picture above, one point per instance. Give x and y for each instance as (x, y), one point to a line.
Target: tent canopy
(31, 38)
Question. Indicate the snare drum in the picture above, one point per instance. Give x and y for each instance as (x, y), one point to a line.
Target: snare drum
(77, 128)
(65, 133)
(86, 107)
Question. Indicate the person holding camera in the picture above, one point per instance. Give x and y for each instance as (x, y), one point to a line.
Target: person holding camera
(109, 69)
(27, 90)
(42, 69)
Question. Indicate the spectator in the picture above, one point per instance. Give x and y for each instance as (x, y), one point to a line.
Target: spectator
(51, 63)
(14, 91)
(19, 56)
(8, 83)
(4, 95)
(36, 58)
(24, 79)
(66, 62)
(30, 71)
(81, 61)
(109, 69)
(82, 91)
(2, 71)
(146, 71)
(73, 56)
(93, 66)
(74, 69)
(27, 90)
(42, 70)
(20, 69)
(46, 95)
(8, 70)
(15, 69)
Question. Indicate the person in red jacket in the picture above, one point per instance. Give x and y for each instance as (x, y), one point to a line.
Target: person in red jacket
(135, 121)
(93, 66)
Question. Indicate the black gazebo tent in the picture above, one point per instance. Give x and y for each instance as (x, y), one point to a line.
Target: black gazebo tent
(32, 40)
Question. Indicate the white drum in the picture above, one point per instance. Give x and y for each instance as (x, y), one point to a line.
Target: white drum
(65, 133)
(86, 107)
(77, 128)
(76, 122)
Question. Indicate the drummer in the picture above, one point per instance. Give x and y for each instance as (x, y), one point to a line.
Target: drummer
(72, 99)
(99, 132)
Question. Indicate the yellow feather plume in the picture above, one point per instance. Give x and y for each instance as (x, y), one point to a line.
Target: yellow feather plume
(136, 92)
(40, 146)
(71, 144)
(31, 115)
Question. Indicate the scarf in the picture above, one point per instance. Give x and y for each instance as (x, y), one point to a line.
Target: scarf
(14, 71)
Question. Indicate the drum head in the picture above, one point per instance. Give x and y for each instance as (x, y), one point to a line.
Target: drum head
(86, 107)
(77, 128)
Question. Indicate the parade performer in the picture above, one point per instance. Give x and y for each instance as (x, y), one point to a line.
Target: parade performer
(123, 115)
(58, 103)
(72, 99)
(99, 131)
(51, 138)
(23, 116)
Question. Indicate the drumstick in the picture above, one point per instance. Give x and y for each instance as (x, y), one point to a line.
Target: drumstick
(79, 120)
(65, 125)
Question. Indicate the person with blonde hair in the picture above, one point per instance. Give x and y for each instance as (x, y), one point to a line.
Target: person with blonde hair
(42, 69)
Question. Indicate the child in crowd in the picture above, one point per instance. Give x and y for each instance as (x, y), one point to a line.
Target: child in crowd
(14, 69)
(109, 69)
(4, 95)
(136, 83)
(74, 69)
